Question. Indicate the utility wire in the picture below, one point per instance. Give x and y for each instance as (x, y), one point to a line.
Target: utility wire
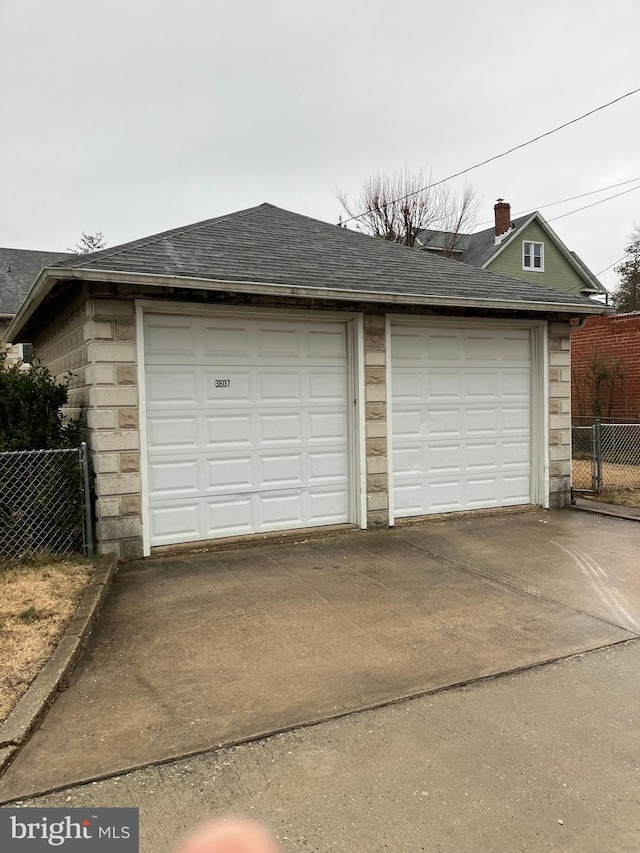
(497, 156)
(593, 204)
(615, 263)
(571, 198)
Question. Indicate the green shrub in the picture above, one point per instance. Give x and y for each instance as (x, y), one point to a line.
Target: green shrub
(30, 409)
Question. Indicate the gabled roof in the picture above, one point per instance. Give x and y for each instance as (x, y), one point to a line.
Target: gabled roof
(18, 271)
(269, 250)
(483, 249)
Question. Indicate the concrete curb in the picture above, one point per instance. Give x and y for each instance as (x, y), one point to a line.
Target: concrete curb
(34, 704)
(599, 510)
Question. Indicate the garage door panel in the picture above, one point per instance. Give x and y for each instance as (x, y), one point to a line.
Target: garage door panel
(440, 386)
(326, 344)
(481, 387)
(461, 418)
(171, 433)
(515, 488)
(327, 426)
(441, 346)
(169, 336)
(442, 423)
(283, 342)
(327, 465)
(171, 387)
(265, 443)
(274, 428)
(281, 471)
(328, 506)
(173, 478)
(228, 430)
(408, 386)
(226, 387)
(224, 340)
(178, 523)
(280, 387)
(516, 452)
(516, 419)
(326, 387)
(229, 472)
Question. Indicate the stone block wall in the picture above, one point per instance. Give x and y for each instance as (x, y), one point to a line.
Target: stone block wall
(559, 415)
(375, 389)
(63, 349)
(113, 422)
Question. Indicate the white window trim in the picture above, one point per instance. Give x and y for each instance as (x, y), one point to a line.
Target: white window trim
(533, 243)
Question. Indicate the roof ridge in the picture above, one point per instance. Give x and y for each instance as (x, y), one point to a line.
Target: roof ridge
(155, 238)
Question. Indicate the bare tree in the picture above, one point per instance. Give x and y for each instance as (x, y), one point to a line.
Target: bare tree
(89, 243)
(627, 295)
(402, 207)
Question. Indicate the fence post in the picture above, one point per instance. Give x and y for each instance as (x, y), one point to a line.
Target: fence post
(597, 455)
(88, 527)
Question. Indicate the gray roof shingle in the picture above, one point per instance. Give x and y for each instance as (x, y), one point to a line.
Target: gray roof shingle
(18, 270)
(268, 245)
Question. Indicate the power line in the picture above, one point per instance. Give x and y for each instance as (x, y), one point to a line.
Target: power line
(615, 263)
(593, 204)
(498, 156)
(571, 198)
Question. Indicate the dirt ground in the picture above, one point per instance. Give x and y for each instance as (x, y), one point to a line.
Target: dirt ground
(615, 477)
(36, 604)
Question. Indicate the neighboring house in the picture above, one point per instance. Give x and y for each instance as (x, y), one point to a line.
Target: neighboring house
(605, 366)
(18, 269)
(264, 371)
(526, 248)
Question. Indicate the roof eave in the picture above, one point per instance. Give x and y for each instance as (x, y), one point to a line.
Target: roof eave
(49, 276)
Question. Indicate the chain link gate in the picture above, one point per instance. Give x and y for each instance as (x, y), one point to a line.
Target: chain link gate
(605, 457)
(45, 503)
(586, 459)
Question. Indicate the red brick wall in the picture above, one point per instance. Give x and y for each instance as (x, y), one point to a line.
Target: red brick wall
(614, 341)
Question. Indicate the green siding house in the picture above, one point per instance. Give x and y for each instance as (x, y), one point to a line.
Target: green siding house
(527, 248)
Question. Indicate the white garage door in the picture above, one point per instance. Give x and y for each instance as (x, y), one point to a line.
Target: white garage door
(461, 418)
(247, 426)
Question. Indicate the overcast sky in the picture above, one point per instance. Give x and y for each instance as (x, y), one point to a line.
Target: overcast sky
(134, 116)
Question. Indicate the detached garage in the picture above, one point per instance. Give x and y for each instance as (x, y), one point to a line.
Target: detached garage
(264, 371)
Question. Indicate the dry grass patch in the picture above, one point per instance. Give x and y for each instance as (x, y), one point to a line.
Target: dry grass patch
(614, 475)
(36, 604)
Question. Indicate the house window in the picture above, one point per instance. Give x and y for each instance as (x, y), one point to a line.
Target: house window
(533, 256)
(25, 353)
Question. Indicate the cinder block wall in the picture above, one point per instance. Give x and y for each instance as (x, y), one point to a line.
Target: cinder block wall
(559, 415)
(113, 423)
(375, 385)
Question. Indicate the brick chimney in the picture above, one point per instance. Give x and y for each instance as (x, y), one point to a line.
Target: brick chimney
(502, 211)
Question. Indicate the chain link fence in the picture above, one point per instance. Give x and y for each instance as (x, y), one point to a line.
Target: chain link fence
(606, 457)
(45, 503)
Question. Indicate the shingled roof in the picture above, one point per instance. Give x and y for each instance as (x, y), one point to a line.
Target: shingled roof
(18, 271)
(270, 246)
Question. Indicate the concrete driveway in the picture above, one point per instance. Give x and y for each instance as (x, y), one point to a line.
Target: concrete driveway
(194, 652)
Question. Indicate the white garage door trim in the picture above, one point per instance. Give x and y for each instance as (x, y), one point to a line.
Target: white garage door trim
(539, 484)
(355, 377)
